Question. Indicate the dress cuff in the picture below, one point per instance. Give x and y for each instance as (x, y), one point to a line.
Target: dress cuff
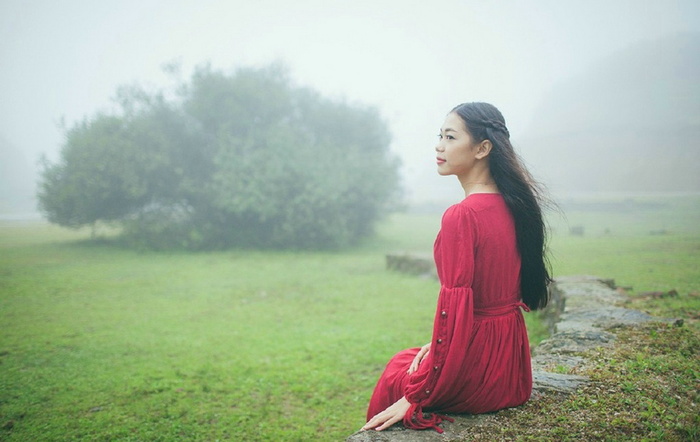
(415, 419)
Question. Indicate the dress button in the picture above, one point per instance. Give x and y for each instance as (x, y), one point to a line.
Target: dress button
(444, 313)
(427, 391)
(435, 368)
(439, 341)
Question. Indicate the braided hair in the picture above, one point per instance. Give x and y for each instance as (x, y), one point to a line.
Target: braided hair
(522, 194)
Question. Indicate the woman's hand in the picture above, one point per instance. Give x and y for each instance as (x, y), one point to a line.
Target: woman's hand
(389, 417)
(424, 350)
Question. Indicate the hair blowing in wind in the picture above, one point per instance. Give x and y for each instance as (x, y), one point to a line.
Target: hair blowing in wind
(522, 194)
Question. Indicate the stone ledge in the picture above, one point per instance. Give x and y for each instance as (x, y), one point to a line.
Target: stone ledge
(581, 313)
(411, 263)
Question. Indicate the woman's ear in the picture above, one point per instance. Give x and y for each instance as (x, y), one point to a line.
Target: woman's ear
(484, 149)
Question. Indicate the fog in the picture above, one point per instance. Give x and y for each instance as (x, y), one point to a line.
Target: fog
(62, 62)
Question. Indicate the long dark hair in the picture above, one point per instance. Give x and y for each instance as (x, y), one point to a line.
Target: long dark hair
(523, 195)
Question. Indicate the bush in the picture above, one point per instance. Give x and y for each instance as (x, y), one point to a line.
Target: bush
(235, 160)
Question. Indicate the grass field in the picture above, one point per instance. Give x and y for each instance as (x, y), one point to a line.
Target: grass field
(102, 343)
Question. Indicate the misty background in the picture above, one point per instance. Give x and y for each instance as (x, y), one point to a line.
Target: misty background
(598, 96)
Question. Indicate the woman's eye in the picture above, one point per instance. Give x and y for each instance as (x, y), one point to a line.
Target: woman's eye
(439, 136)
(450, 137)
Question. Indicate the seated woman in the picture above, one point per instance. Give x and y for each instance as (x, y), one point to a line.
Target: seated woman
(490, 257)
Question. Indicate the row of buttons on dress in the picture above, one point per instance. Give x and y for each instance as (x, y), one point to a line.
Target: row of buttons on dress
(439, 341)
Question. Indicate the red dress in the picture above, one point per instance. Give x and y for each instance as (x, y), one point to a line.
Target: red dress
(479, 359)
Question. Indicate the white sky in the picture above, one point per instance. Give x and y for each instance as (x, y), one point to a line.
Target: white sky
(414, 60)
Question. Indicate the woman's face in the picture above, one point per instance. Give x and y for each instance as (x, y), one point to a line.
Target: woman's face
(456, 150)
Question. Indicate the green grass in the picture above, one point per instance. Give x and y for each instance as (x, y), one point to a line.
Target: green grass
(644, 388)
(647, 244)
(103, 343)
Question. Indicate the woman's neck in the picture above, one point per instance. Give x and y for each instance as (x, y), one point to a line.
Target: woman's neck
(478, 183)
(480, 188)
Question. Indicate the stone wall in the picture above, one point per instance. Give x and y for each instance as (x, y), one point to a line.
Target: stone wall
(421, 265)
(582, 311)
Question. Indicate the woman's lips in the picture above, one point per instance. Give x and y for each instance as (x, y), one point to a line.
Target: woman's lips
(440, 160)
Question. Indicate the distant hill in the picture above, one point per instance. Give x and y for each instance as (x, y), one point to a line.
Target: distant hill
(631, 122)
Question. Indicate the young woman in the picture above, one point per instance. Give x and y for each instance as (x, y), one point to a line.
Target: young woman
(490, 257)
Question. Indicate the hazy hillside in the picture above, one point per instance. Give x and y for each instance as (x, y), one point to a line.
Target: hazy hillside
(631, 122)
